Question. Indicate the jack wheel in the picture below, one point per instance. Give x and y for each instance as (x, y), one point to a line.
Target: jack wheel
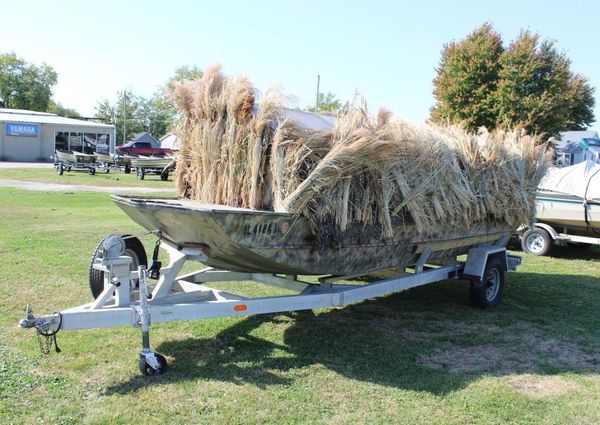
(60, 170)
(158, 368)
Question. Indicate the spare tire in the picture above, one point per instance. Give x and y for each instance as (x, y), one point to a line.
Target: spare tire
(133, 248)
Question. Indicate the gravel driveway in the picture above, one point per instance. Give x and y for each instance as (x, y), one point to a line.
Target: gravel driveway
(55, 187)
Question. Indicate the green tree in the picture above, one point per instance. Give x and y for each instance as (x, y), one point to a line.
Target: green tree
(466, 80)
(182, 73)
(537, 90)
(127, 106)
(328, 102)
(24, 85)
(529, 85)
(156, 115)
(60, 110)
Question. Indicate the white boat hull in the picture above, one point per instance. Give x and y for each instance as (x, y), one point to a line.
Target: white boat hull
(568, 211)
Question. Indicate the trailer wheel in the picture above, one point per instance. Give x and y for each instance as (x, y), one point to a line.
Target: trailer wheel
(133, 248)
(60, 170)
(148, 370)
(127, 169)
(140, 173)
(536, 241)
(487, 291)
(164, 176)
(91, 171)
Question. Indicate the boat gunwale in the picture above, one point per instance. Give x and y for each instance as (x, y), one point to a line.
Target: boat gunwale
(160, 202)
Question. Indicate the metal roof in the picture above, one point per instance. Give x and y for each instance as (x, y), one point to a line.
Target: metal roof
(34, 117)
(570, 140)
(144, 136)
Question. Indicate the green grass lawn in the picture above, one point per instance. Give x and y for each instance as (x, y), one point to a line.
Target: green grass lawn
(421, 356)
(113, 178)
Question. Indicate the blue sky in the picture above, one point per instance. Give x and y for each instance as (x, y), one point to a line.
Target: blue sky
(387, 50)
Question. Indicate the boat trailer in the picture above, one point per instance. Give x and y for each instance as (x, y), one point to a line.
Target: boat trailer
(128, 298)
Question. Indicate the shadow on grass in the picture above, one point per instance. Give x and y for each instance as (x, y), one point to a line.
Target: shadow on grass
(426, 339)
(570, 252)
(579, 252)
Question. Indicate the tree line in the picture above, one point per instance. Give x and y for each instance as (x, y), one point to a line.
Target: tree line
(480, 82)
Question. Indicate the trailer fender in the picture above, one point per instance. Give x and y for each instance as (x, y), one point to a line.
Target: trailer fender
(547, 228)
(477, 259)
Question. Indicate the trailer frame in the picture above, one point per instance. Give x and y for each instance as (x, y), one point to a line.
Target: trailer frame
(128, 299)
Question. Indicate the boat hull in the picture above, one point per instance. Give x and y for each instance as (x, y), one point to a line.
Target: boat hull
(245, 240)
(568, 212)
(158, 163)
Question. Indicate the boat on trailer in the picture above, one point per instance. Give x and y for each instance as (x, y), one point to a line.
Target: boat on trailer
(270, 248)
(241, 239)
(567, 209)
(570, 198)
(67, 160)
(159, 165)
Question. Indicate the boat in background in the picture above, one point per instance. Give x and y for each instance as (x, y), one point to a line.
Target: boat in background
(568, 209)
(569, 198)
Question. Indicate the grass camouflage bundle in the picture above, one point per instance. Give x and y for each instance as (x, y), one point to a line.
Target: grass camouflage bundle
(373, 171)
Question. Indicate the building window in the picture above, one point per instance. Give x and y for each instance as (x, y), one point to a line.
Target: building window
(76, 142)
(103, 143)
(61, 141)
(89, 142)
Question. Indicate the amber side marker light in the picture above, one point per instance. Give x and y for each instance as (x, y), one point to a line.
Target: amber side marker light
(240, 307)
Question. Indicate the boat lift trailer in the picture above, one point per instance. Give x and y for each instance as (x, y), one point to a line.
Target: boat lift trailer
(127, 299)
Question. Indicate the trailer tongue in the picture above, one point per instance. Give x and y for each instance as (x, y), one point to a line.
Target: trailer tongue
(128, 299)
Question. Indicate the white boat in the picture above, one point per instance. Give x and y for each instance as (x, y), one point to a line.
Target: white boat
(568, 199)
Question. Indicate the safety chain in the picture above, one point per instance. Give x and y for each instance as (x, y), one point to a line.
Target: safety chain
(49, 338)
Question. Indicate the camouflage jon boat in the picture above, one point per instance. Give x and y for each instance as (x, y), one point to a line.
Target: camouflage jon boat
(153, 162)
(75, 157)
(104, 158)
(240, 239)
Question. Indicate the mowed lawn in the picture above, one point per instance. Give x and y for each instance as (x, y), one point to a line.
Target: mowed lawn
(113, 178)
(421, 356)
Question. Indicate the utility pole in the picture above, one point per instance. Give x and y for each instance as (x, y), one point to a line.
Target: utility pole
(317, 100)
(125, 117)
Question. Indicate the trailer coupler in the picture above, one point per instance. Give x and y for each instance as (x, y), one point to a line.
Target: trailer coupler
(46, 327)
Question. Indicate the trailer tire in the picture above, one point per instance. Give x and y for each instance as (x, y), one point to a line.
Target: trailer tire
(164, 176)
(536, 241)
(133, 248)
(127, 169)
(91, 171)
(140, 173)
(487, 291)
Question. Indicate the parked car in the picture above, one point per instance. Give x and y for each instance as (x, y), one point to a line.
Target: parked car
(142, 148)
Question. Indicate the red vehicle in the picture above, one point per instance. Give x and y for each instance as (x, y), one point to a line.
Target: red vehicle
(142, 148)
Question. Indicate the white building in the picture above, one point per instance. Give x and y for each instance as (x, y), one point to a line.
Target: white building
(169, 141)
(577, 146)
(34, 136)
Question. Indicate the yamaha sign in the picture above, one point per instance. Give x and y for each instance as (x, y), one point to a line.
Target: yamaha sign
(17, 129)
